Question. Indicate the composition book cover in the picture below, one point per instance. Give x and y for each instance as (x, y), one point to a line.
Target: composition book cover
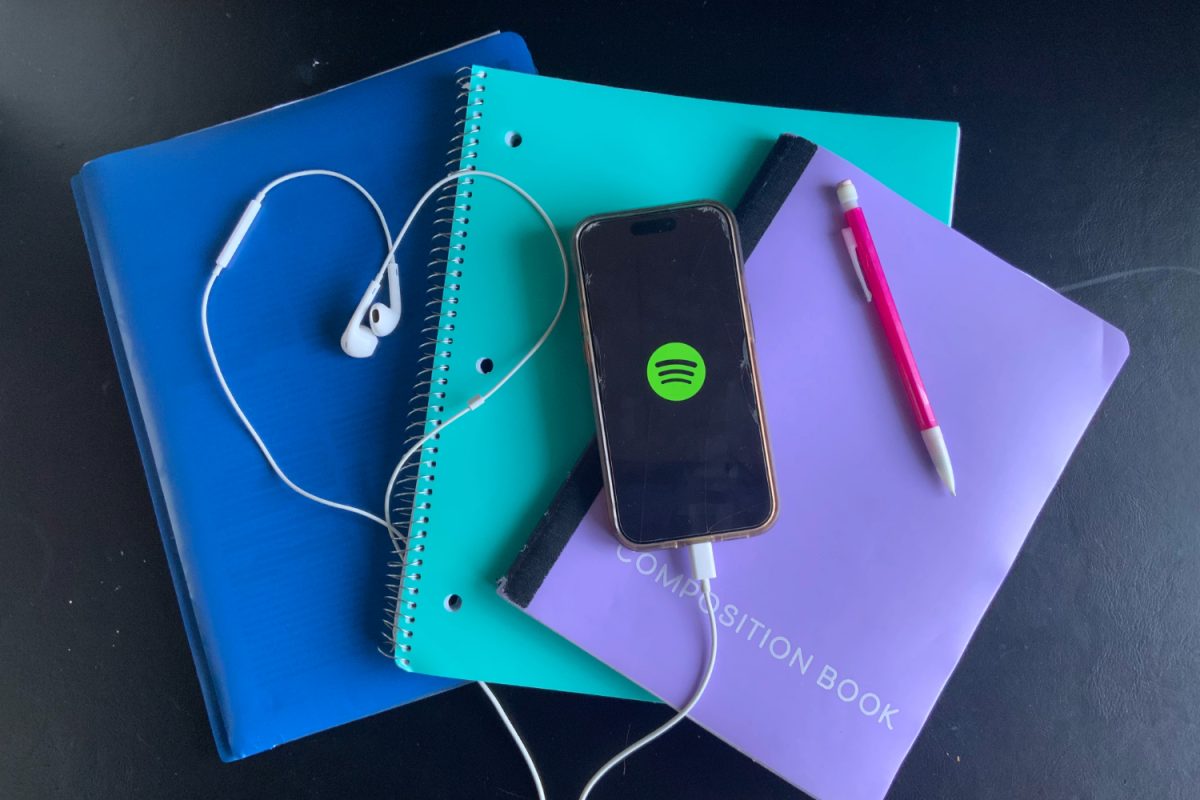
(839, 627)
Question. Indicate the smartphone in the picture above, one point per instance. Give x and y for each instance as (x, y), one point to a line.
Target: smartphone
(670, 348)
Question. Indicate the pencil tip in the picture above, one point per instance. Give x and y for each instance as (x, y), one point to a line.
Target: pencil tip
(936, 445)
(946, 473)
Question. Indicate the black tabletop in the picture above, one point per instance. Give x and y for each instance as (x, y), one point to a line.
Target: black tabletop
(1080, 160)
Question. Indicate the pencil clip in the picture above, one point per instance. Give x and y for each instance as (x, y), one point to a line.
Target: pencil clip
(852, 249)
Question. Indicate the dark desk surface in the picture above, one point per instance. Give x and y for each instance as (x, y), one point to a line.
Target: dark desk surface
(1080, 158)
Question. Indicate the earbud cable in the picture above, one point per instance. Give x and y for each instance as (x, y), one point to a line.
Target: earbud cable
(216, 365)
(479, 400)
(472, 404)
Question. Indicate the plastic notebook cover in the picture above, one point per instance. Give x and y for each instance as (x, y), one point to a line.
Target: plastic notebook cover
(280, 599)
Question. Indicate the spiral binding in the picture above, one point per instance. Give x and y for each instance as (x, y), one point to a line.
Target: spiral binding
(413, 494)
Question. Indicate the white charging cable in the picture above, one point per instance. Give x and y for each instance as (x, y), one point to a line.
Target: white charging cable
(704, 569)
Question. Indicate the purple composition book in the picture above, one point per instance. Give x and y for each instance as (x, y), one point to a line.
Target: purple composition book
(839, 627)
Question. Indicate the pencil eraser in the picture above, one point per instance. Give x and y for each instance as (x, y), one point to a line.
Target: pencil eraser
(847, 195)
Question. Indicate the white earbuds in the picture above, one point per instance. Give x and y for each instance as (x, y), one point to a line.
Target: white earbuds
(383, 319)
(360, 338)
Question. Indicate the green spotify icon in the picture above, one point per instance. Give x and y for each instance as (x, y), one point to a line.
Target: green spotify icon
(675, 371)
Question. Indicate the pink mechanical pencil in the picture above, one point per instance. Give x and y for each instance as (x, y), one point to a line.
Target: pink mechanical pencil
(870, 275)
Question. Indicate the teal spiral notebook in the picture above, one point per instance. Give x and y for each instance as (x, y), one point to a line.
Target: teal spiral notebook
(482, 486)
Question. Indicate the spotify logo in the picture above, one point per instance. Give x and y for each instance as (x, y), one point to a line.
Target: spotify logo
(675, 371)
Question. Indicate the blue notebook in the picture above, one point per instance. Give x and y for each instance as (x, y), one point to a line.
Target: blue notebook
(280, 597)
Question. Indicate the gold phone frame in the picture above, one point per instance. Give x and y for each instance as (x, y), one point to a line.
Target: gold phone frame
(601, 433)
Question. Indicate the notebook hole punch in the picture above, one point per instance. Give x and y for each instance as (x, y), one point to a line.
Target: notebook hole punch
(513, 139)
(484, 365)
(453, 602)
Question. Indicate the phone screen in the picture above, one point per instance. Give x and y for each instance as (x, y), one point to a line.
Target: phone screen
(674, 374)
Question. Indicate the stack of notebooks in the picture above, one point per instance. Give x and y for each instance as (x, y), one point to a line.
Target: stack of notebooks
(839, 627)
